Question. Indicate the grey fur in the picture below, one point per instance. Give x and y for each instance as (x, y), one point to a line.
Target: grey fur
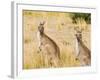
(49, 48)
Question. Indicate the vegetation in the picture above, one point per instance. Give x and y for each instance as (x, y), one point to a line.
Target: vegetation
(58, 27)
(79, 16)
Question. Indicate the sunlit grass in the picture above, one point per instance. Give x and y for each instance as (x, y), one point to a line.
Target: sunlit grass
(59, 29)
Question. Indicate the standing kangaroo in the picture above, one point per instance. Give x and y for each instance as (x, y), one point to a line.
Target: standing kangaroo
(48, 47)
(83, 54)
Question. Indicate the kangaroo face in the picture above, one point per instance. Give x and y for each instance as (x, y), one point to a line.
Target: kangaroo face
(41, 28)
(79, 35)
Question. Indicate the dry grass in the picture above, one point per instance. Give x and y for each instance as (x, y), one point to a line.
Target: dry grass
(60, 29)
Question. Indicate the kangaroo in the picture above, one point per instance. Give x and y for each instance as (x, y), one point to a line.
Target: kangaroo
(83, 53)
(49, 48)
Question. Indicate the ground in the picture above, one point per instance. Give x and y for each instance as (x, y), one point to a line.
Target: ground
(58, 27)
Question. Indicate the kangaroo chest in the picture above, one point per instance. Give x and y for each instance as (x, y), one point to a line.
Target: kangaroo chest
(77, 47)
(80, 52)
(41, 39)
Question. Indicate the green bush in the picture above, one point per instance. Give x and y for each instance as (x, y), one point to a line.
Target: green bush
(78, 16)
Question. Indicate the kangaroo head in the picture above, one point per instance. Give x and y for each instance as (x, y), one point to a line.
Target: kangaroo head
(78, 34)
(41, 27)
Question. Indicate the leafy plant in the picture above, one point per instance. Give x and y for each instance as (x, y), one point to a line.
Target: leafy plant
(79, 16)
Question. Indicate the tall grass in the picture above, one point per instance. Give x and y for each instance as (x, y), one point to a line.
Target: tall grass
(59, 29)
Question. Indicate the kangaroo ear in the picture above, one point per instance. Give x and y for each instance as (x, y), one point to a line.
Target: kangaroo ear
(40, 23)
(82, 30)
(43, 22)
(75, 34)
(76, 28)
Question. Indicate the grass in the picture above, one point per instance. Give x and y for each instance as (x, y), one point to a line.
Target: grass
(60, 29)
